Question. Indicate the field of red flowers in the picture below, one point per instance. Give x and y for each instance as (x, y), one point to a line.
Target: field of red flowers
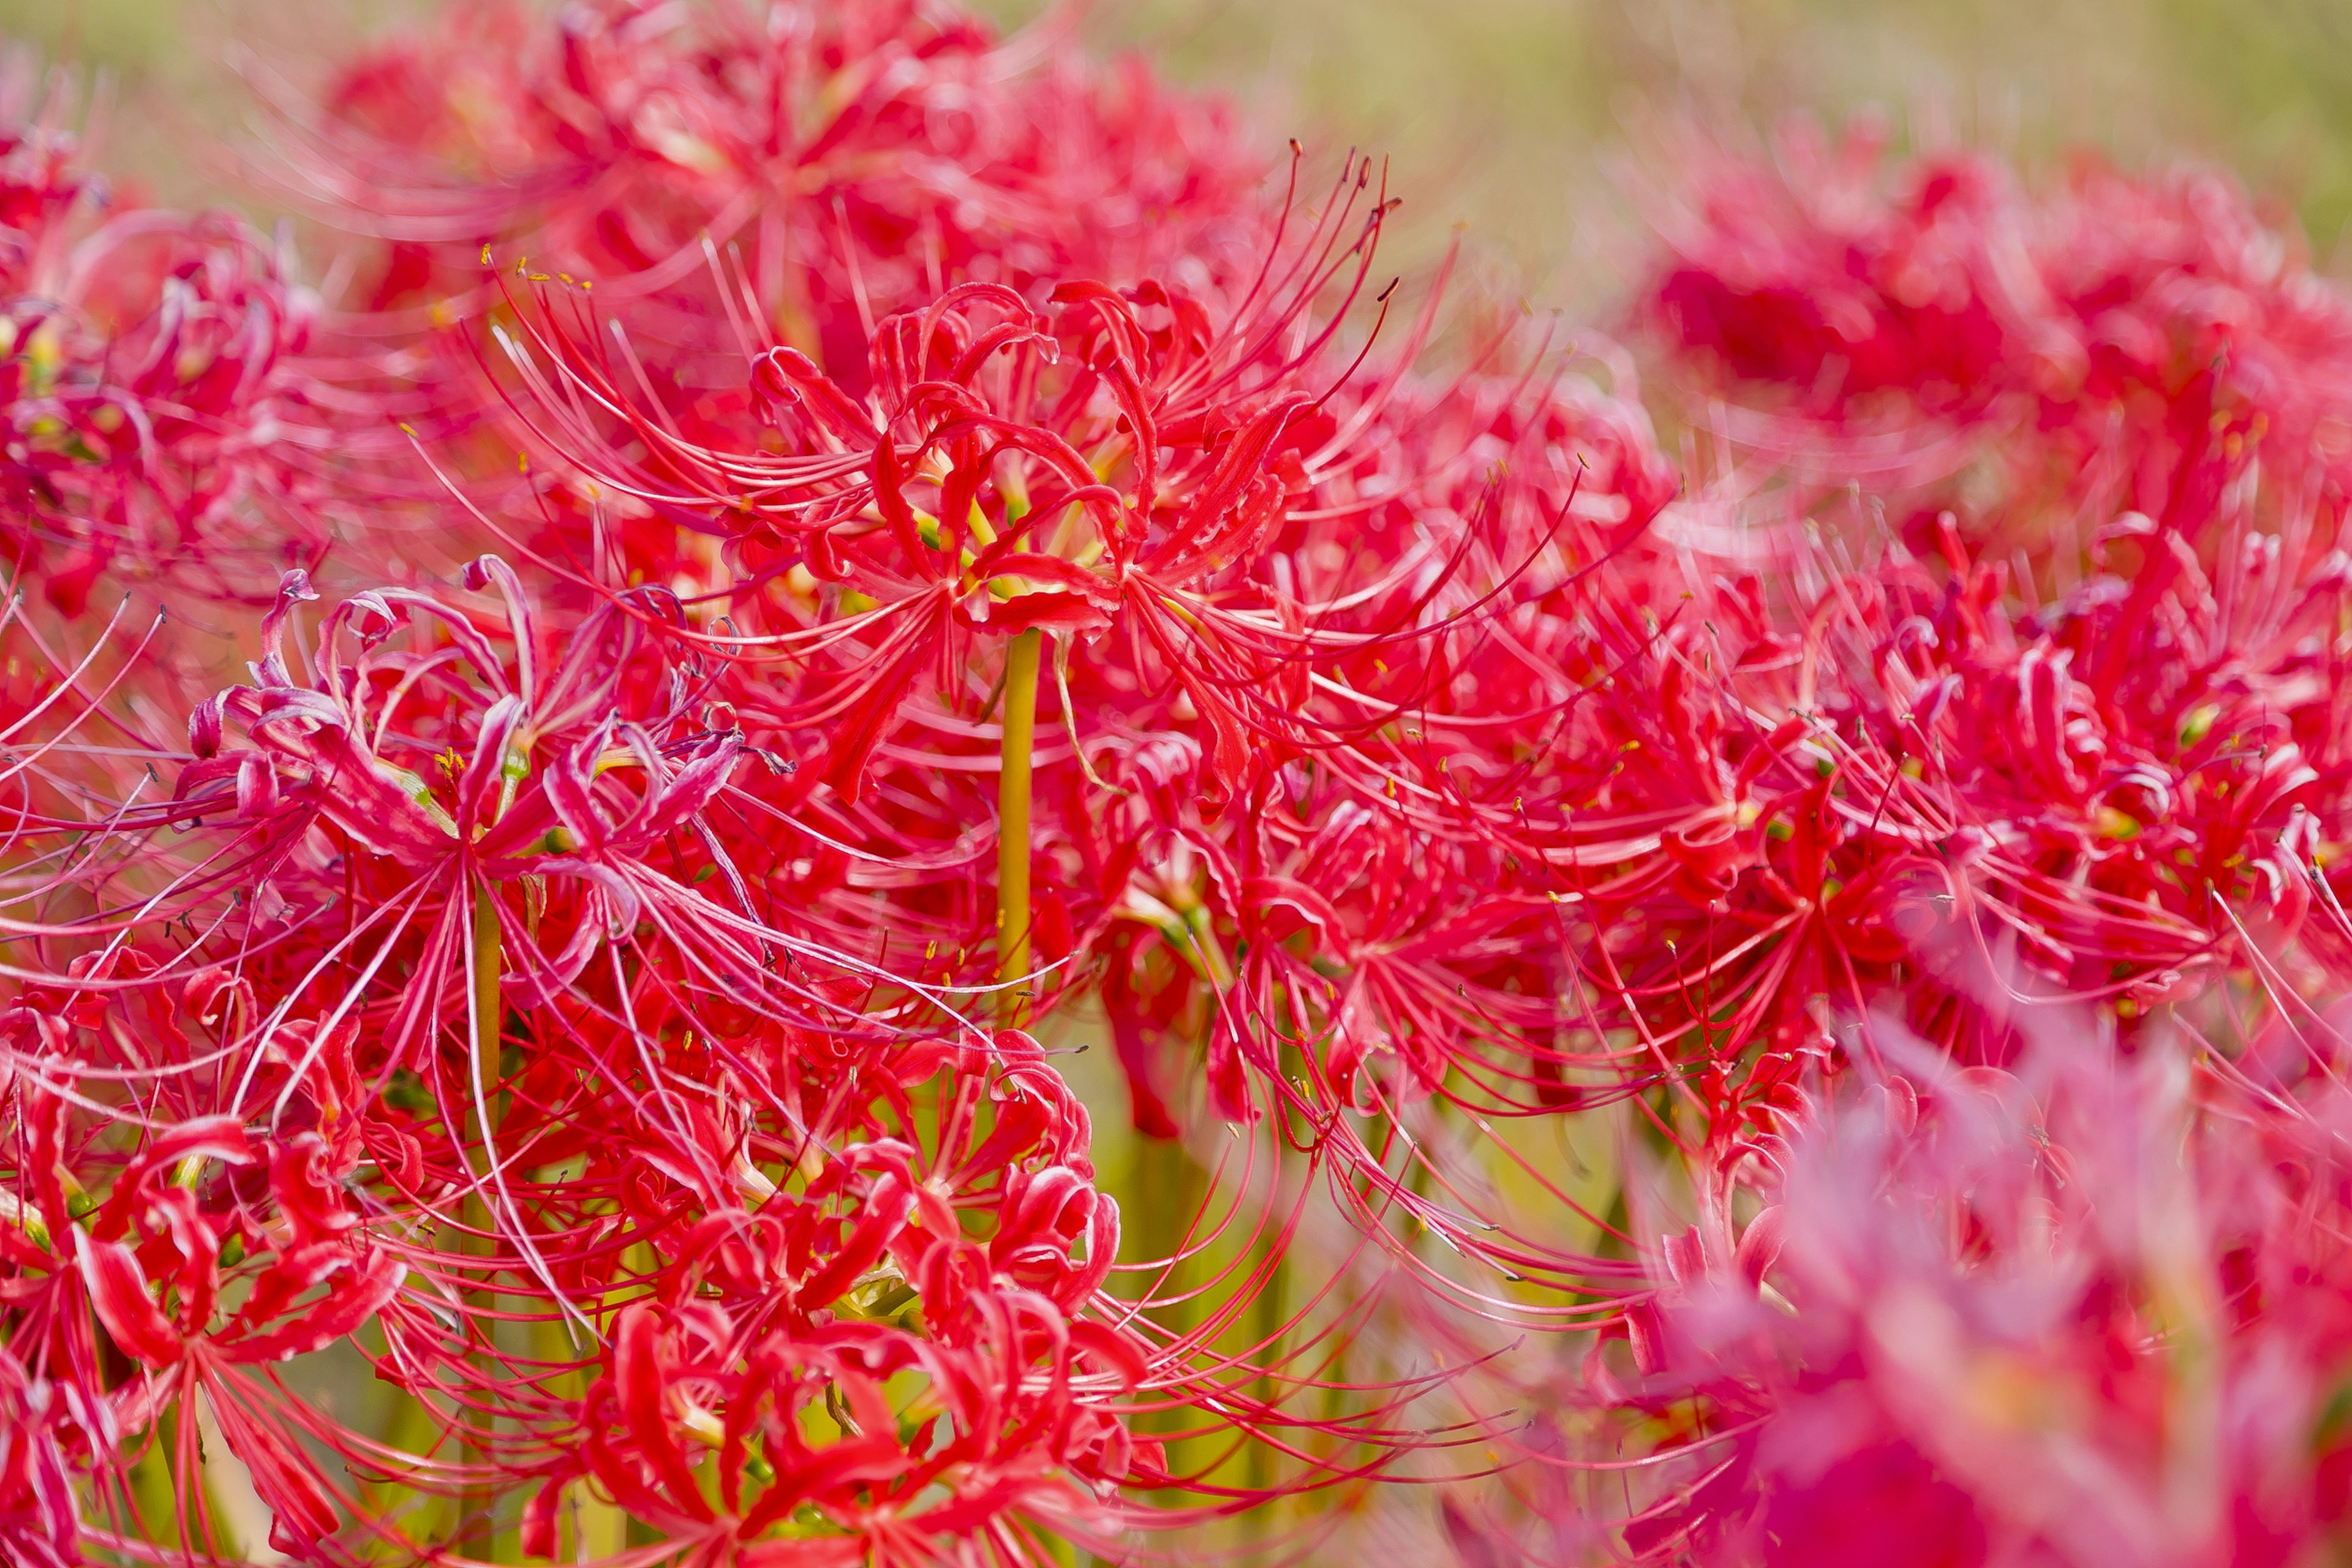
(859, 808)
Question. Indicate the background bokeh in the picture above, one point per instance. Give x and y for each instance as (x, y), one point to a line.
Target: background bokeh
(1502, 114)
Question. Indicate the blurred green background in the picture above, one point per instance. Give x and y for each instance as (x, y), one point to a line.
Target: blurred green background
(1498, 113)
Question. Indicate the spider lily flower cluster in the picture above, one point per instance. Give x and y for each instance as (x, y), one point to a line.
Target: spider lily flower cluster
(155, 385)
(990, 565)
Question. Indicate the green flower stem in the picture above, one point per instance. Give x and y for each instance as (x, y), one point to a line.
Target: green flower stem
(1013, 915)
(425, 1520)
(489, 958)
(497, 1544)
(169, 1512)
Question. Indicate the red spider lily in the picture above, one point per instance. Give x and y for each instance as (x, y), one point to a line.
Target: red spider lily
(2096, 347)
(1762, 831)
(39, 1518)
(856, 159)
(856, 1275)
(738, 176)
(1819, 851)
(2035, 766)
(528, 843)
(117, 1194)
(1130, 520)
(1768, 789)
(149, 369)
(470, 1068)
(291, 999)
(1001, 476)
(2050, 1316)
(564, 989)
(1793, 781)
(1127, 482)
(1795, 789)
(847, 1267)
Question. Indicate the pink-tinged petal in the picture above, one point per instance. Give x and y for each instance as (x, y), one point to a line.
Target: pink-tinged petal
(1759, 1244)
(639, 1377)
(221, 1138)
(687, 793)
(198, 1278)
(880, 1219)
(570, 782)
(309, 1193)
(303, 1509)
(1118, 1354)
(489, 571)
(204, 728)
(1236, 471)
(117, 1294)
(541, 1519)
(478, 786)
(293, 588)
(357, 1297)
